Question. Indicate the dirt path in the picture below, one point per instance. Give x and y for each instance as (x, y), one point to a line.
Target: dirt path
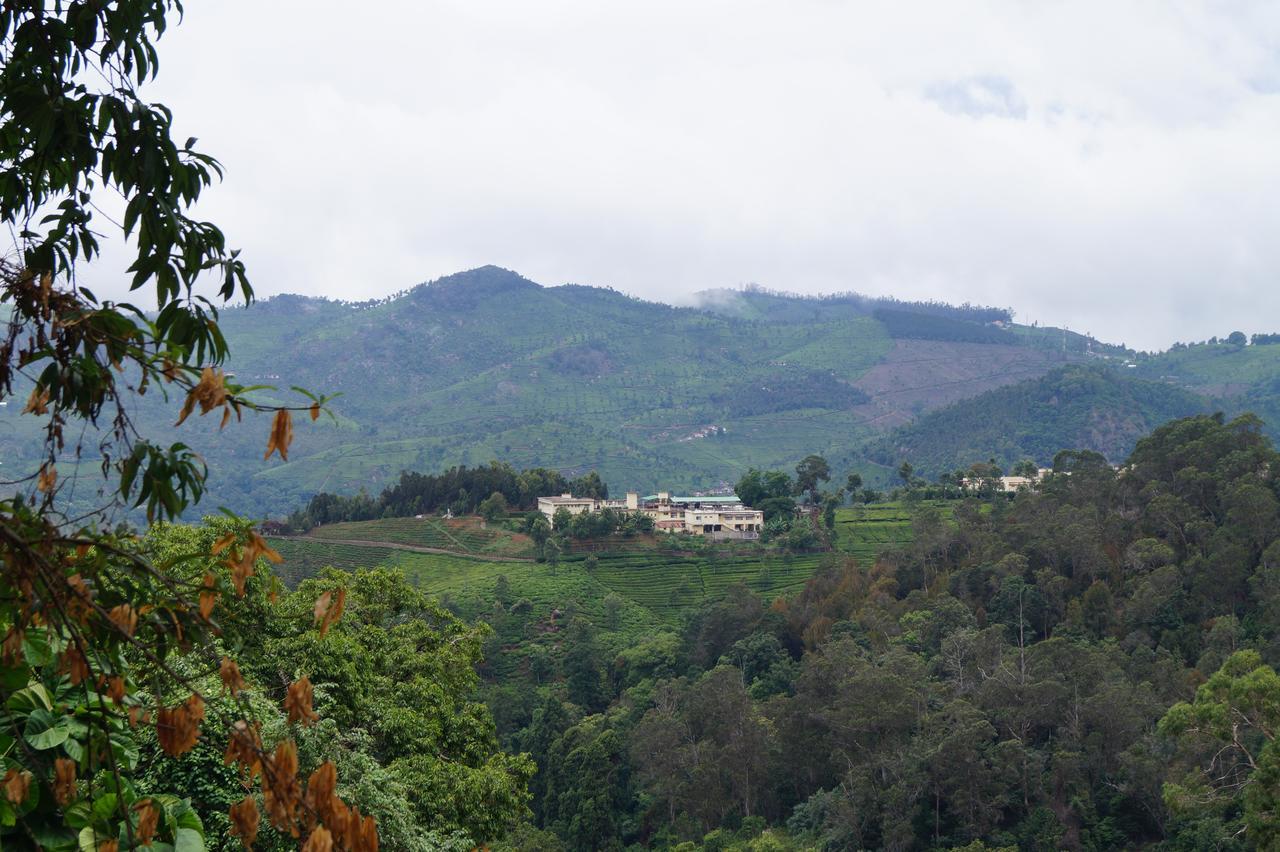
(416, 548)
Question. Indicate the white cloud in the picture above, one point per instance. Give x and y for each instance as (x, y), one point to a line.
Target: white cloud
(1111, 167)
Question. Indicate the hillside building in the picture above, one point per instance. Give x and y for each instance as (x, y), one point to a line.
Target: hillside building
(717, 517)
(1011, 484)
(574, 505)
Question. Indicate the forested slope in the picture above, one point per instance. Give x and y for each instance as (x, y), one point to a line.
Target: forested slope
(995, 680)
(1081, 406)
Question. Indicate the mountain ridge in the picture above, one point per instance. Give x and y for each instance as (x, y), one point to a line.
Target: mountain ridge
(488, 365)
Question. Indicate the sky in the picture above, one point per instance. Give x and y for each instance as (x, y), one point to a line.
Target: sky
(1109, 167)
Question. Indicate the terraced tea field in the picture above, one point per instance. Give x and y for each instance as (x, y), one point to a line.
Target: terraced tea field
(305, 558)
(866, 531)
(669, 585)
(665, 585)
(659, 586)
(461, 535)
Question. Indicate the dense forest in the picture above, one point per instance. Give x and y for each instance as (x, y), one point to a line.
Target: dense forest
(998, 682)
(1087, 666)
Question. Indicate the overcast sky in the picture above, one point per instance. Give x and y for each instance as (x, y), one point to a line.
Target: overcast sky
(1112, 167)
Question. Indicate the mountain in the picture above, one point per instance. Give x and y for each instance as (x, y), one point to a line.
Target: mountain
(1078, 406)
(486, 364)
(489, 365)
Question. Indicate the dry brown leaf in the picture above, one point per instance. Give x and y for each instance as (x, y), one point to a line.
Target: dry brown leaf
(148, 819)
(125, 618)
(11, 647)
(281, 792)
(16, 784)
(322, 797)
(232, 680)
(319, 841)
(74, 665)
(281, 435)
(329, 608)
(244, 821)
(210, 392)
(178, 728)
(297, 702)
(38, 402)
(245, 748)
(64, 780)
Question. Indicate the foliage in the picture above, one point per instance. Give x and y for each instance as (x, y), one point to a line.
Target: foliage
(108, 649)
(1238, 711)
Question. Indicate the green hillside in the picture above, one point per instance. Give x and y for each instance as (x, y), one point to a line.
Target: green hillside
(657, 574)
(1077, 406)
(488, 365)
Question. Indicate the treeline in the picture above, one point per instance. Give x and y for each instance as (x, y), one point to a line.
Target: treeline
(788, 391)
(962, 313)
(965, 312)
(918, 325)
(460, 490)
(998, 683)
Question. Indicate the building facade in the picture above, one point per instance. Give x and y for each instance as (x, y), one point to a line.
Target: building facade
(718, 517)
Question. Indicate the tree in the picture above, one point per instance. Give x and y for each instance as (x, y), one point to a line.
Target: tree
(590, 485)
(1237, 338)
(1238, 713)
(811, 470)
(493, 507)
(829, 505)
(853, 486)
(1027, 468)
(750, 488)
(582, 667)
(905, 471)
(89, 617)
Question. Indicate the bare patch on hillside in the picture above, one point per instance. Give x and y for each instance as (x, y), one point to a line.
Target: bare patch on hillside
(920, 375)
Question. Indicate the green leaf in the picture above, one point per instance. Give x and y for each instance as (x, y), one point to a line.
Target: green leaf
(105, 806)
(89, 839)
(35, 647)
(45, 730)
(188, 840)
(78, 815)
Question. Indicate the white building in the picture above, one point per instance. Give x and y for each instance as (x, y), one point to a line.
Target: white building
(719, 517)
(575, 505)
